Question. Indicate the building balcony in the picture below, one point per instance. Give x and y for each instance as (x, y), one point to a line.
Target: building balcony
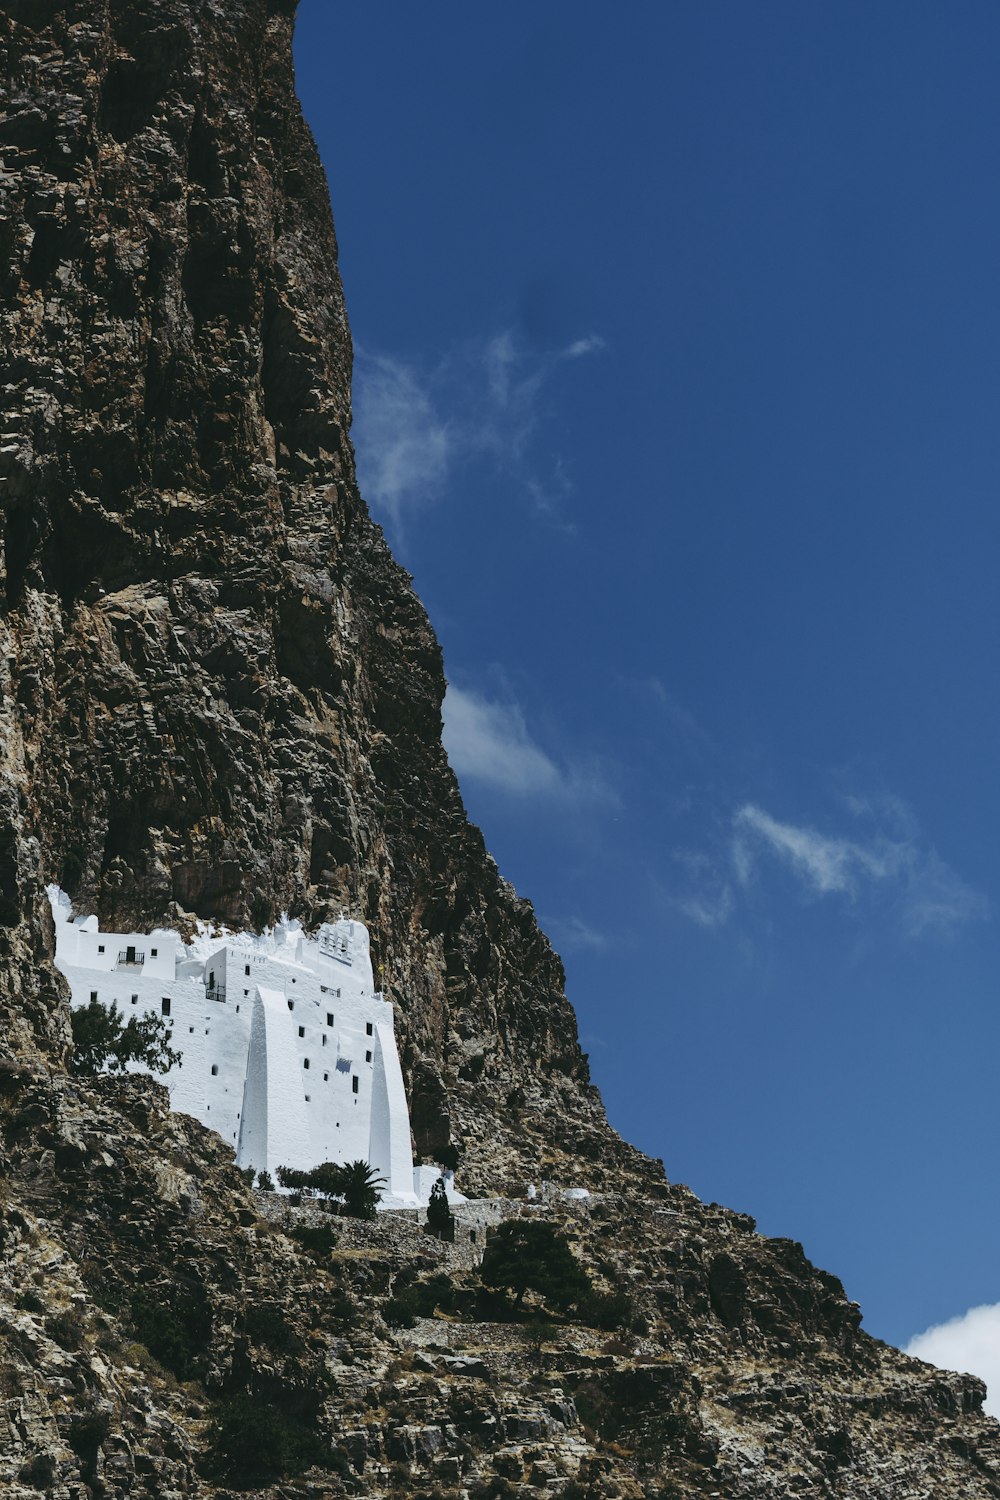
(130, 958)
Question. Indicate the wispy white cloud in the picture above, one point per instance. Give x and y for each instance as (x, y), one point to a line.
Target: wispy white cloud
(488, 741)
(822, 863)
(573, 934)
(969, 1344)
(415, 427)
(407, 446)
(590, 345)
(936, 899)
(681, 720)
(706, 896)
(888, 866)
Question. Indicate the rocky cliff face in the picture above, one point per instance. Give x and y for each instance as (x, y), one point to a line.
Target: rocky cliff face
(221, 698)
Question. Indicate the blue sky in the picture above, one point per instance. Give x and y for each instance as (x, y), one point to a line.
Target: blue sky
(678, 363)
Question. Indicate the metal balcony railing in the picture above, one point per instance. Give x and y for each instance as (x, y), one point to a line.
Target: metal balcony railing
(131, 958)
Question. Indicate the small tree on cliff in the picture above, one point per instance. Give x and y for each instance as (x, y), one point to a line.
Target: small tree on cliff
(361, 1189)
(102, 1041)
(531, 1255)
(440, 1219)
(355, 1183)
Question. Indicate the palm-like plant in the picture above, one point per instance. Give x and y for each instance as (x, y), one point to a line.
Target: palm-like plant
(361, 1188)
(355, 1183)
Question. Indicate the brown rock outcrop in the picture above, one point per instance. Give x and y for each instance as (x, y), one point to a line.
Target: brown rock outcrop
(221, 698)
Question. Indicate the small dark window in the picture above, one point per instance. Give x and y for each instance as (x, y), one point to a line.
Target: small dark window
(308, 1097)
(190, 1031)
(246, 992)
(237, 1010)
(246, 968)
(354, 1083)
(215, 1070)
(93, 995)
(368, 1028)
(368, 1057)
(324, 1039)
(135, 999)
(326, 1078)
(165, 1005)
(302, 1031)
(291, 1005)
(293, 981)
(472, 1236)
(211, 981)
(305, 1062)
(100, 947)
(329, 1018)
(152, 952)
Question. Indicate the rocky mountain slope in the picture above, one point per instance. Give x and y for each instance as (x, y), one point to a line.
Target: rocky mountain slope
(221, 698)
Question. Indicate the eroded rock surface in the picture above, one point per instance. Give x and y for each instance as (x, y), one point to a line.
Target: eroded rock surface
(221, 698)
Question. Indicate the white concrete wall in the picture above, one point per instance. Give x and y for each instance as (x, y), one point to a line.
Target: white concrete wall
(286, 1049)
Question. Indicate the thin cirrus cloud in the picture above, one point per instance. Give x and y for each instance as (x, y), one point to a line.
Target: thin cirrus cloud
(414, 427)
(404, 447)
(890, 867)
(488, 741)
(969, 1344)
(573, 935)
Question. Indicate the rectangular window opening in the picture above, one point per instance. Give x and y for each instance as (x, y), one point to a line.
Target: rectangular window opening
(354, 1083)
(165, 1006)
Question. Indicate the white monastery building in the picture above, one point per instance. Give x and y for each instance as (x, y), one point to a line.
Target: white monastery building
(287, 1049)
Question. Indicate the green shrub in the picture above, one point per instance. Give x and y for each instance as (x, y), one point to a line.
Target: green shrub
(355, 1184)
(401, 1311)
(531, 1255)
(265, 1323)
(87, 1432)
(419, 1299)
(608, 1311)
(67, 1328)
(252, 1441)
(175, 1324)
(101, 1040)
(440, 1219)
(319, 1240)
